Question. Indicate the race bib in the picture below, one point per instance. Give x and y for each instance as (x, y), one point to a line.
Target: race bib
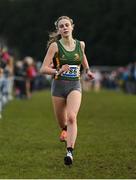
(73, 72)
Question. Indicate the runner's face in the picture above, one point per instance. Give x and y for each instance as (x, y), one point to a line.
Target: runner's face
(65, 27)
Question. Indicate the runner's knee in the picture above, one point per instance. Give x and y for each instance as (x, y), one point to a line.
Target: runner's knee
(71, 118)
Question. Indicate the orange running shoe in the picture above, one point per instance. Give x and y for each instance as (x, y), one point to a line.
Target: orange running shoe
(63, 136)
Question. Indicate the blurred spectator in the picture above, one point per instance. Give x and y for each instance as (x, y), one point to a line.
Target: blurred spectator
(97, 80)
(20, 79)
(6, 77)
(41, 81)
(135, 71)
(9, 73)
(31, 74)
(130, 84)
(1, 91)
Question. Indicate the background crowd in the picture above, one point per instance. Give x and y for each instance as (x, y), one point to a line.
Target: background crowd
(113, 78)
(20, 78)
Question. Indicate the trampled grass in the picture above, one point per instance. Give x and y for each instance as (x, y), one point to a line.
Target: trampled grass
(105, 147)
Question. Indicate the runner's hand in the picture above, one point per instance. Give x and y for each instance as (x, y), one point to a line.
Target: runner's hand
(64, 68)
(90, 75)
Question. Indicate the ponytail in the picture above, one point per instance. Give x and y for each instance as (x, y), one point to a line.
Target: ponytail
(53, 37)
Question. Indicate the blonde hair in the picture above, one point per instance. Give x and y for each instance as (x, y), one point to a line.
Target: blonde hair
(54, 36)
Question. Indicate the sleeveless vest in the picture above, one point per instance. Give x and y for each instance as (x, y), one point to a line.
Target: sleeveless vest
(72, 58)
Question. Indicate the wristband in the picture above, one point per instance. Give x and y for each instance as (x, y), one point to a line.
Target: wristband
(56, 73)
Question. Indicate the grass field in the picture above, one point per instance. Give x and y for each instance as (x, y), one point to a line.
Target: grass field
(105, 148)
